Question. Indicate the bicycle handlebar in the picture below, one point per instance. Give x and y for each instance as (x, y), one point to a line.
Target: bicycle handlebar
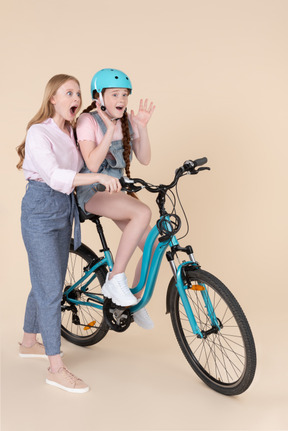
(189, 167)
(198, 162)
(128, 184)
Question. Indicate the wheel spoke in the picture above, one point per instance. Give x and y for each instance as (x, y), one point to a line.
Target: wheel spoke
(220, 358)
(76, 319)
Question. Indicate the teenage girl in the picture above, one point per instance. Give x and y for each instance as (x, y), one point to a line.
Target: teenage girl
(51, 163)
(107, 138)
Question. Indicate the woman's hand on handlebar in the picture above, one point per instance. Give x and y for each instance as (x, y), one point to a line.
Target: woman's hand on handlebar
(106, 182)
(111, 184)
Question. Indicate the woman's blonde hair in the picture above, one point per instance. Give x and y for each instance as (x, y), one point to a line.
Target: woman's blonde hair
(47, 108)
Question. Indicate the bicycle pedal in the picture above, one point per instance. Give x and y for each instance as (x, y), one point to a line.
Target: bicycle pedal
(112, 304)
(117, 307)
(120, 307)
(118, 318)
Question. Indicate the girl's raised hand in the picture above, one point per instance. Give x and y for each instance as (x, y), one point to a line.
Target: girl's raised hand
(144, 114)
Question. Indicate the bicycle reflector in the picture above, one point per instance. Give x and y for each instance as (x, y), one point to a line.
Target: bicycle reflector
(196, 287)
(90, 325)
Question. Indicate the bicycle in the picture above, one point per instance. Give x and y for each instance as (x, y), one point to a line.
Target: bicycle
(209, 324)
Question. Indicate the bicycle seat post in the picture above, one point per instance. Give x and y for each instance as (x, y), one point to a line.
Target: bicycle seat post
(101, 234)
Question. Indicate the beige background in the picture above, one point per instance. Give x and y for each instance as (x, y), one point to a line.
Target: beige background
(217, 72)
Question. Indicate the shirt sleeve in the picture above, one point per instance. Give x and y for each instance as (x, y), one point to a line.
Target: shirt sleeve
(86, 128)
(40, 151)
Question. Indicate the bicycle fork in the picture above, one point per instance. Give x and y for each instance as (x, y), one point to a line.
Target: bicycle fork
(182, 289)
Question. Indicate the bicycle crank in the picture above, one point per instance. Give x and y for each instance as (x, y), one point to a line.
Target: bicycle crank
(117, 318)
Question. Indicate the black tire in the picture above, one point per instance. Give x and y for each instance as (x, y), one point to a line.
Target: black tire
(75, 319)
(225, 361)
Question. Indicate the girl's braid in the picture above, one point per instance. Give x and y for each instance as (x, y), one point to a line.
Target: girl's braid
(126, 147)
(126, 143)
(89, 108)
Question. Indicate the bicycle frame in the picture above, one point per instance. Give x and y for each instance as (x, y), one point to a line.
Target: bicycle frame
(149, 271)
(220, 349)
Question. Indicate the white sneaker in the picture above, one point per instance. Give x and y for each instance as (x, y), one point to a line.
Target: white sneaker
(142, 318)
(117, 289)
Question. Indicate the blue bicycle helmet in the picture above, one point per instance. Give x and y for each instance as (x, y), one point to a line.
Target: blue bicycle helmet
(110, 78)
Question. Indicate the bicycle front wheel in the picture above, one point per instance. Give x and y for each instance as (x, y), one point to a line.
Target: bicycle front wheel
(224, 359)
(83, 325)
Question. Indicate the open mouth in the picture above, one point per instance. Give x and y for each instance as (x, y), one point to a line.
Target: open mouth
(73, 109)
(119, 108)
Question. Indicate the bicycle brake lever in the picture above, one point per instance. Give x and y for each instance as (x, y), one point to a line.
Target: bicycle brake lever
(196, 171)
(206, 168)
(135, 188)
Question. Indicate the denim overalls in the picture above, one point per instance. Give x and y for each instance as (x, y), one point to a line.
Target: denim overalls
(110, 166)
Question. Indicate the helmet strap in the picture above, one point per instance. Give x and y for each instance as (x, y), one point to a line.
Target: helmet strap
(103, 107)
(101, 99)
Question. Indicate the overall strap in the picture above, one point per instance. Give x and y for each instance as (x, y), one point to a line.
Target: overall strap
(103, 128)
(99, 120)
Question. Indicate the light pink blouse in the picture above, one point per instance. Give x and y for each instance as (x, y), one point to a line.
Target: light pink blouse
(51, 156)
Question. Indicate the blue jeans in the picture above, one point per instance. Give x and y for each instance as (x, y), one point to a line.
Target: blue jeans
(46, 223)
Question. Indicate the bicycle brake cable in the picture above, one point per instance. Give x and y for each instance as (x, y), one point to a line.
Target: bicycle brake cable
(184, 213)
(172, 201)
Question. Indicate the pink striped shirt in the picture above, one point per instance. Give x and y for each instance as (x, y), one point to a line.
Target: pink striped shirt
(51, 156)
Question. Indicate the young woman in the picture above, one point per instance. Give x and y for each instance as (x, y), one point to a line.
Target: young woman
(51, 163)
(107, 138)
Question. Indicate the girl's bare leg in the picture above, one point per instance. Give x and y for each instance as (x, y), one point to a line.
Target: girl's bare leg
(122, 225)
(134, 217)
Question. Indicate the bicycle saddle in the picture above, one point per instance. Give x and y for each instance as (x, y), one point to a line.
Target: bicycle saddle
(83, 216)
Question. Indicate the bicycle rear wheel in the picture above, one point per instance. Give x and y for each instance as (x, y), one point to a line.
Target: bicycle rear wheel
(82, 324)
(225, 359)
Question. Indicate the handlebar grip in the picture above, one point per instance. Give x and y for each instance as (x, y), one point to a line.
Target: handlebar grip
(200, 162)
(99, 188)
